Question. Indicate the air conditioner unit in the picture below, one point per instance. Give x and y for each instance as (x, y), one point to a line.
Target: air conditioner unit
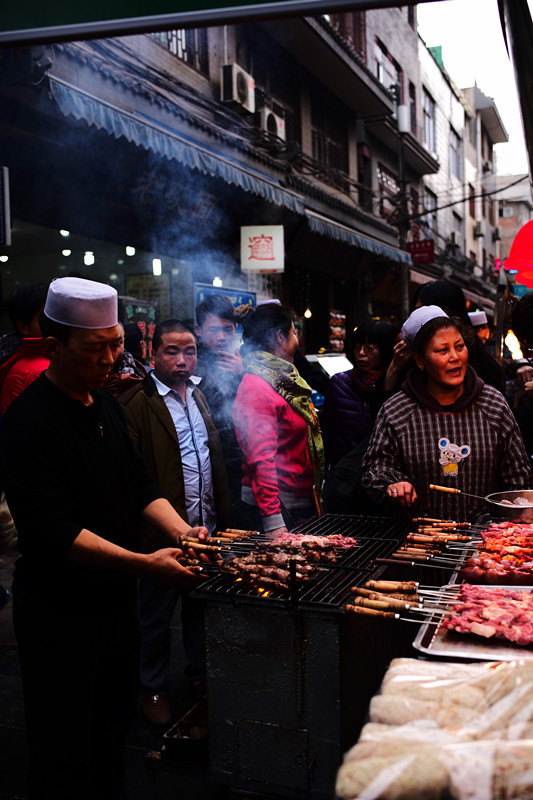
(236, 86)
(479, 229)
(496, 235)
(272, 123)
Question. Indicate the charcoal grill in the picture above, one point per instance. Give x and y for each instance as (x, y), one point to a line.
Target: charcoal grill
(330, 585)
(289, 674)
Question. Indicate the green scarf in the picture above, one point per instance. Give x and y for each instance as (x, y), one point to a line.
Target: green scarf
(287, 382)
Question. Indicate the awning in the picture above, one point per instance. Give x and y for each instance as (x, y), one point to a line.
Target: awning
(148, 133)
(419, 277)
(479, 300)
(327, 227)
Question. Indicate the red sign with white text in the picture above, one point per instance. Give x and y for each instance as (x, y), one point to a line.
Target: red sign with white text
(422, 252)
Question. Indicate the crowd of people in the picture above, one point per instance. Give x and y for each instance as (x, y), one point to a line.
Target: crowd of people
(109, 463)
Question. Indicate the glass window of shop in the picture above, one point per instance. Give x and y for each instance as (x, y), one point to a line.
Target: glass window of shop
(39, 254)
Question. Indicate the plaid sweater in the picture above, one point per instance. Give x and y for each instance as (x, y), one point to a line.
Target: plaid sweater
(478, 450)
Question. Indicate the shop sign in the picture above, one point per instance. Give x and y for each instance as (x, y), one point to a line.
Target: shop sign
(422, 252)
(262, 248)
(144, 314)
(239, 297)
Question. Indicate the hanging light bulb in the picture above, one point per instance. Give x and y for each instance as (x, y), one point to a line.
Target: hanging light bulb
(88, 258)
(307, 313)
(217, 281)
(156, 266)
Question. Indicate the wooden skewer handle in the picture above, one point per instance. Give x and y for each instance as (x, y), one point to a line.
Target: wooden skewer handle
(392, 586)
(444, 489)
(371, 612)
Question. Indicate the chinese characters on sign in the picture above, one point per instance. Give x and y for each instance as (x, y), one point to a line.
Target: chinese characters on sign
(262, 248)
(421, 252)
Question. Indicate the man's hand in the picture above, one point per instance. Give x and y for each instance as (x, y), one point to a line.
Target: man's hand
(230, 362)
(164, 568)
(524, 375)
(198, 533)
(276, 533)
(403, 492)
(400, 357)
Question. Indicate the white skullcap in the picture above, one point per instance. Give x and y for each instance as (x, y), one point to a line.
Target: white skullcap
(478, 318)
(81, 303)
(416, 320)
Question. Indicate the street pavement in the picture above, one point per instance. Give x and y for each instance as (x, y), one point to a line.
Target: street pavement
(147, 778)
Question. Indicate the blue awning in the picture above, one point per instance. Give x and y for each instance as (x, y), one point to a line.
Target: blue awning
(327, 227)
(150, 134)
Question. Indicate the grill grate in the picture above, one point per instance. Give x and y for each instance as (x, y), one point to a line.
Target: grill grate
(329, 587)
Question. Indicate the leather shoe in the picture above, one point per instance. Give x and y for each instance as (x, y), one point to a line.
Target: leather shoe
(156, 710)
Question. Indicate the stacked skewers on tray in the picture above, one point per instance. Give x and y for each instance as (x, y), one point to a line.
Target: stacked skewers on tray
(436, 543)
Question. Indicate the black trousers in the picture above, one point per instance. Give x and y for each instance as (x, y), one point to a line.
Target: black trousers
(80, 682)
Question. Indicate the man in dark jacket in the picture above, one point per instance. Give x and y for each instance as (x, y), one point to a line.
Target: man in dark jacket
(170, 422)
(220, 368)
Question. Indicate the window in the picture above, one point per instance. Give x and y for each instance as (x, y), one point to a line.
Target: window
(351, 28)
(471, 201)
(188, 45)
(491, 212)
(456, 154)
(412, 107)
(388, 71)
(428, 111)
(329, 141)
(458, 228)
(429, 219)
(389, 190)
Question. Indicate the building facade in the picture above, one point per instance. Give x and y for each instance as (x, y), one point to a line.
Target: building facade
(136, 161)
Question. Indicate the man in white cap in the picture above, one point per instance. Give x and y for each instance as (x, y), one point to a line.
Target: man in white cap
(77, 487)
(480, 324)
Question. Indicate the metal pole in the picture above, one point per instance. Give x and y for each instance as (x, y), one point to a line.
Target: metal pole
(403, 228)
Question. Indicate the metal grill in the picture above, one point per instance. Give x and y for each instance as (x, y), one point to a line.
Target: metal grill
(330, 583)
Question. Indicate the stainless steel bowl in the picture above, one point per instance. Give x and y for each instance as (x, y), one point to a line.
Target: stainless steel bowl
(512, 513)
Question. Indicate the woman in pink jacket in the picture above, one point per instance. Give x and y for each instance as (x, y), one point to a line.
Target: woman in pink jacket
(276, 424)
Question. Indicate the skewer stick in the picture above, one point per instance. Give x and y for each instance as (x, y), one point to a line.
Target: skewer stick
(395, 562)
(408, 587)
(206, 548)
(241, 532)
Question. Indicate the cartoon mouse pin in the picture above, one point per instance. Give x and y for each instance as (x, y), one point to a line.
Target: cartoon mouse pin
(451, 455)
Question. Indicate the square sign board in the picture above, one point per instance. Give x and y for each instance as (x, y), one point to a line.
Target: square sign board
(262, 248)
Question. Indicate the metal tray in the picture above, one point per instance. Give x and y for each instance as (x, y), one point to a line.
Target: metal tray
(434, 640)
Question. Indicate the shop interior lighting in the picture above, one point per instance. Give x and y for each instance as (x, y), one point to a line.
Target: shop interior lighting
(66, 252)
(156, 266)
(3, 259)
(88, 258)
(130, 251)
(113, 276)
(217, 281)
(64, 233)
